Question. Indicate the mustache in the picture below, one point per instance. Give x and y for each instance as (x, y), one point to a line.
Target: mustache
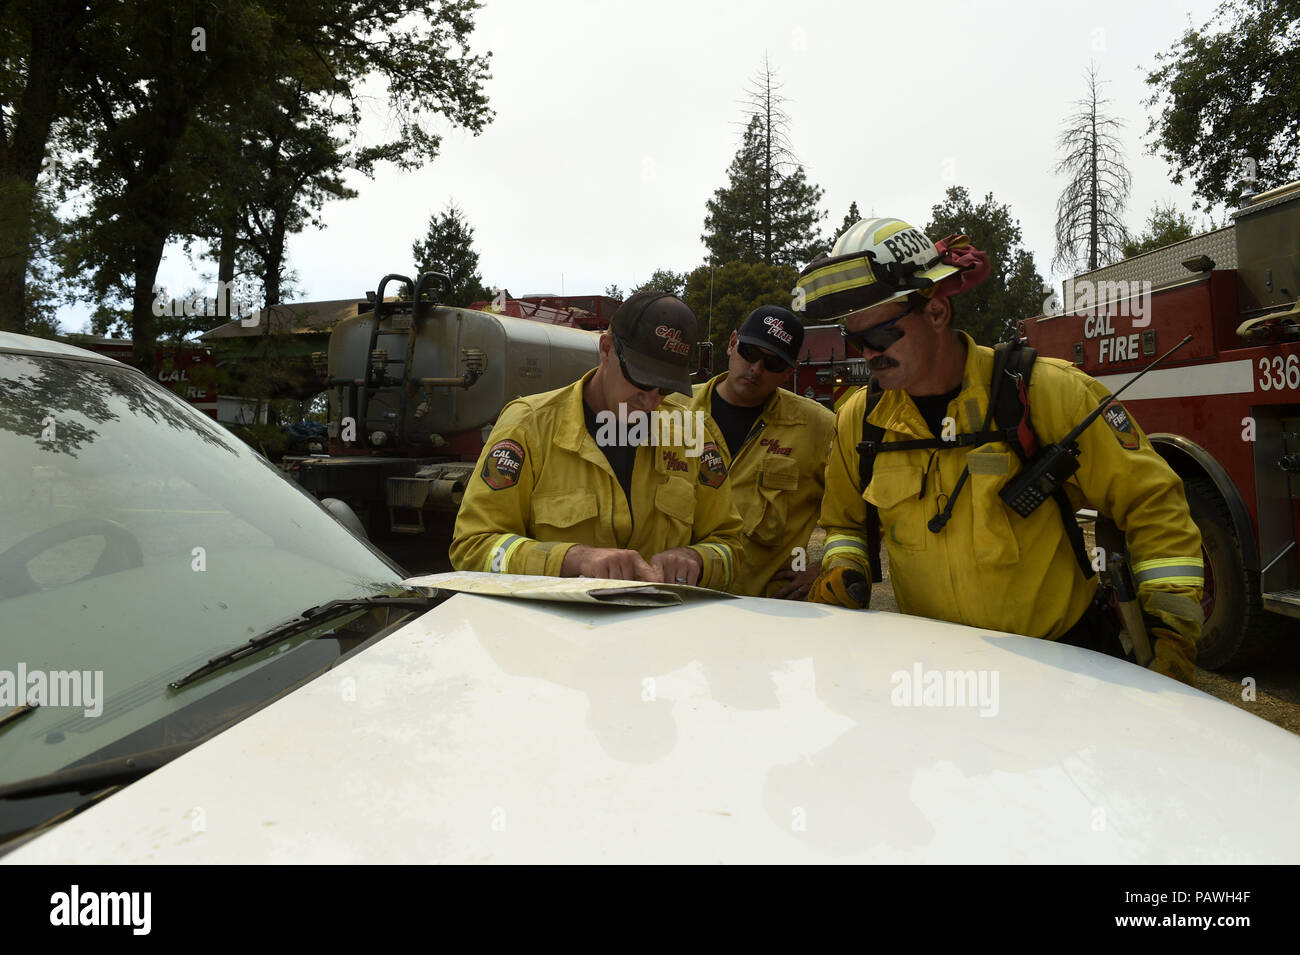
(881, 361)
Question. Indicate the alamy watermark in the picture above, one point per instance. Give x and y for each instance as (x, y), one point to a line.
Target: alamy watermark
(1101, 300)
(232, 300)
(76, 907)
(633, 428)
(946, 688)
(76, 688)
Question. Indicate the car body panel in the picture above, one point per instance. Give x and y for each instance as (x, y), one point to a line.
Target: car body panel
(29, 345)
(750, 730)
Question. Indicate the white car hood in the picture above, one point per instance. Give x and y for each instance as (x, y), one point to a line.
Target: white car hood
(751, 730)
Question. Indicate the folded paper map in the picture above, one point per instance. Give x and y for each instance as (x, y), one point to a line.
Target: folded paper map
(623, 593)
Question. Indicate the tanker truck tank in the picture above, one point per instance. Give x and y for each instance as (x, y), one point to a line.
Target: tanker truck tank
(414, 388)
(466, 365)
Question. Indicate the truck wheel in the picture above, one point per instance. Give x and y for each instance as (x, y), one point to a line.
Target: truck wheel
(1237, 628)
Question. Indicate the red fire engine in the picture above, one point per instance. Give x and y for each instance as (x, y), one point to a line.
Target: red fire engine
(825, 373)
(188, 370)
(1224, 410)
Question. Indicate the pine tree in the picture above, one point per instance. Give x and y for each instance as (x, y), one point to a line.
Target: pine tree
(852, 217)
(448, 247)
(768, 211)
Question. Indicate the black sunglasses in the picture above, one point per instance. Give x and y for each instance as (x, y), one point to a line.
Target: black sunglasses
(752, 353)
(877, 337)
(622, 366)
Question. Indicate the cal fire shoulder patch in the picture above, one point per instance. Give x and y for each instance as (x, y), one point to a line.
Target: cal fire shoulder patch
(713, 471)
(503, 465)
(1122, 426)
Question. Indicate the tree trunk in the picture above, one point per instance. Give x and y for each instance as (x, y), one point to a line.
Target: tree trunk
(274, 265)
(226, 271)
(767, 170)
(22, 158)
(144, 331)
(18, 197)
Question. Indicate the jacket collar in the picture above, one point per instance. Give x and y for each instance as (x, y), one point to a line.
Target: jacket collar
(572, 432)
(896, 411)
(777, 410)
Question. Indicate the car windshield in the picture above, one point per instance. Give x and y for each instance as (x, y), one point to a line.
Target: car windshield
(138, 539)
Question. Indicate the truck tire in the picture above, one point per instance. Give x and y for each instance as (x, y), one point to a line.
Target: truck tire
(1237, 629)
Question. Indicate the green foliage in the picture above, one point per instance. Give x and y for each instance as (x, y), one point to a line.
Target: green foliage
(234, 123)
(109, 322)
(45, 287)
(852, 217)
(737, 289)
(448, 247)
(662, 280)
(613, 291)
(1090, 228)
(40, 53)
(1228, 96)
(1165, 226)
(1013, 290)
(289, 163)
(269, 439)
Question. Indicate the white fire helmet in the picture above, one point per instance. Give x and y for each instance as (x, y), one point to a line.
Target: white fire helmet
(873, 261)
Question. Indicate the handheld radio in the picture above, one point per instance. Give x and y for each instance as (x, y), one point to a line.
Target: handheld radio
(1053, 465)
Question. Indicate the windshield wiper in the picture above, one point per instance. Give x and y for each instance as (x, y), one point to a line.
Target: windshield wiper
(120, 770)
(17, 713)
(309, 618)
(100, 775)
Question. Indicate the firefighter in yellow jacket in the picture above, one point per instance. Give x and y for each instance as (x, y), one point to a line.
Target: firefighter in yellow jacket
(956, 550)
(774, 443)
(585, 481)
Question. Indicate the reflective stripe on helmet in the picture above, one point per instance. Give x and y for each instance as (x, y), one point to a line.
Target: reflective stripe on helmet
(836, 277)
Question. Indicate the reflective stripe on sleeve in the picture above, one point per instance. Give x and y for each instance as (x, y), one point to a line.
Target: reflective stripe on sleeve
(1172, 570)
(844, 545)
(724, 554)
(499, 562)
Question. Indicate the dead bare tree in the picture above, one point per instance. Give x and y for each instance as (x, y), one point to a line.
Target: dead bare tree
(1089, 215)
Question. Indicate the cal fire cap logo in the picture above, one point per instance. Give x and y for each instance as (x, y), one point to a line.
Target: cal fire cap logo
(713, 471)
(672, 337)
(774, 328)
(503, 465)
(1122, 426)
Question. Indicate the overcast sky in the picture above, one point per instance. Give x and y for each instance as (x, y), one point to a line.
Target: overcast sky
(616, 120)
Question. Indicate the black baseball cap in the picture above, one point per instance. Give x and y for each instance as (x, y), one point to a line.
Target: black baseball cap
(657, 331)
(775, 328)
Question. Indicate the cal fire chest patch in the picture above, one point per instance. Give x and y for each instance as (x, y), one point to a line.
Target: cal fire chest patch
(1122, 426)
(712, 469)
(503, 465)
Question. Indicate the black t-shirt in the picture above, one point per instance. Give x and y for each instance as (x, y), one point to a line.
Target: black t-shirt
(734, 421)
(621, 457)
(934, 408)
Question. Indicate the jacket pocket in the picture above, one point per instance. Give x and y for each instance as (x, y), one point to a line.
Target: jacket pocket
(676, 498)
(993, 535)
(564, 509)
(894, 489)
(778, 481)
